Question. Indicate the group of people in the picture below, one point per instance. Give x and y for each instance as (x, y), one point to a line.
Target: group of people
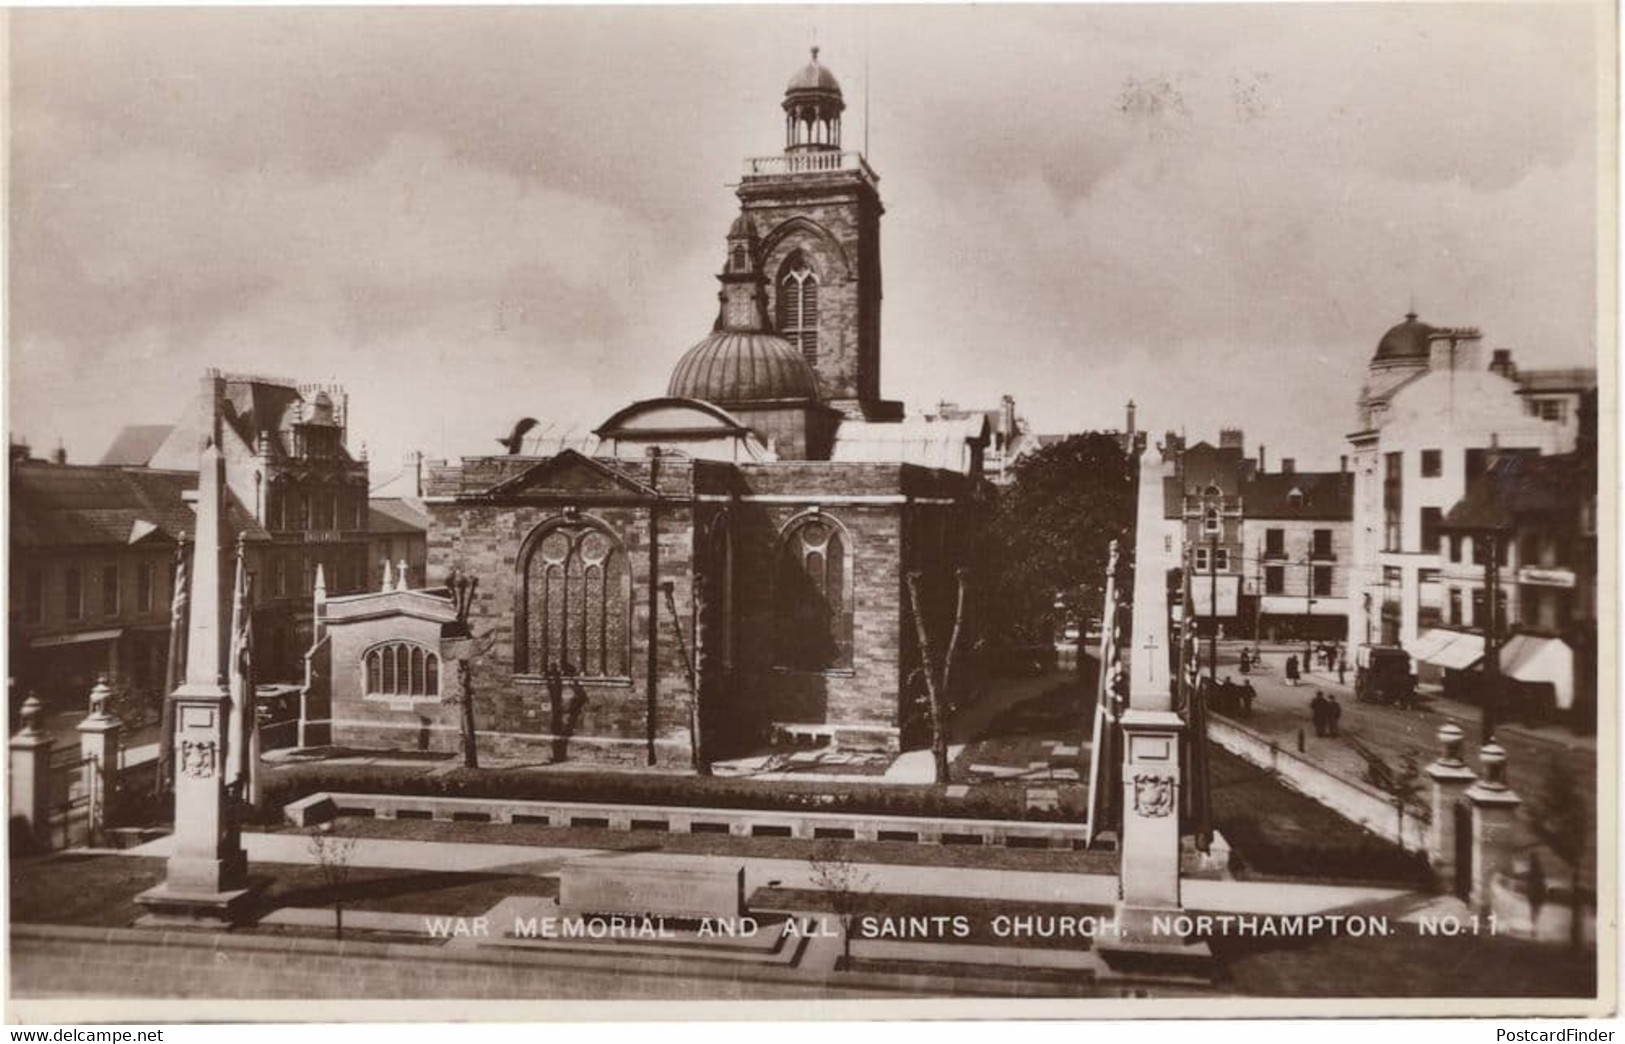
(1228, 698)
(1326, 712)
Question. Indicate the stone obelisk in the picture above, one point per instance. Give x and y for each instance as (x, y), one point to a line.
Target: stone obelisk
(1149, 842)
(206, 880)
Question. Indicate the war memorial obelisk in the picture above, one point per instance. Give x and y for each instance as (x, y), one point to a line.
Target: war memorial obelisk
(206, 879)
(1149, 837)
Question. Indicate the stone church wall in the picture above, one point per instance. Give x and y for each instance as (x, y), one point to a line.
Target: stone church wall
(514, 712)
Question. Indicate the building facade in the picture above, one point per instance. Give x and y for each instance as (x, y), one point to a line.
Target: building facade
(1269, 551)
(93, 567)
(1453, 458)
(289, 465)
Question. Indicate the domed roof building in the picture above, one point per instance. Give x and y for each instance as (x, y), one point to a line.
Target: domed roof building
(730, 367)
(814, 77)
(1405, 342)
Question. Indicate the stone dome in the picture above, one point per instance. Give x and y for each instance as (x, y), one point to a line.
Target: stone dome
(814, 77)
(1406, 341)
(735, 366)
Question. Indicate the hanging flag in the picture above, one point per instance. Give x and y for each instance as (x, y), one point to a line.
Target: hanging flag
(241, 728)
(174, 669)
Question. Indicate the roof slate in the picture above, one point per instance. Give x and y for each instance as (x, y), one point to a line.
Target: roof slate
(64, 506)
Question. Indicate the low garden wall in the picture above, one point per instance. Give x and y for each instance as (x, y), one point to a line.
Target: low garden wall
(688, 820)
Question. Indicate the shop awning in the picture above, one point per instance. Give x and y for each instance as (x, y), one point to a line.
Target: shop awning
(51, 641)
(1428, 643)
(1460, 653)
(1547, 661)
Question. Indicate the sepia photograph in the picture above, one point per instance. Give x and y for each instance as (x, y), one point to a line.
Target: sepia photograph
(496, 528)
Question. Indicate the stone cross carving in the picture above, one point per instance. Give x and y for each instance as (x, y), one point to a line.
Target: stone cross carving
(1150, 646)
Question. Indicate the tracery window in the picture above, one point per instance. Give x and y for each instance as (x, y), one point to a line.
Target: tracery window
(402, 669)
(575, 601)
(798, 306)
(815, 596)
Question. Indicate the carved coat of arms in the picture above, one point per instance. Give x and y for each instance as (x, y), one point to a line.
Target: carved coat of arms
(1153, 795)
(197, 759)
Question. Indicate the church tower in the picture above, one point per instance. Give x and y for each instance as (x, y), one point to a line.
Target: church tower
(817, 209)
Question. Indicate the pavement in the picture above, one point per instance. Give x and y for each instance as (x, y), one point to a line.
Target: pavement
(1281, 713)
(1243, 897)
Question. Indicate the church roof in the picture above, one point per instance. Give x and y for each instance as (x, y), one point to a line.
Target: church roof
(739, 366)
(945, 444)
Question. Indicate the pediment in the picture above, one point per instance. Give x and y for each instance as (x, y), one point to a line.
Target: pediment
(574, 474)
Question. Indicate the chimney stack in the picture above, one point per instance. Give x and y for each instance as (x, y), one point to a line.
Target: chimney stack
(1129, 410)
(60, 454)
(1230, 438)
(1289, 465)
(1343, 464)
(1261, 468)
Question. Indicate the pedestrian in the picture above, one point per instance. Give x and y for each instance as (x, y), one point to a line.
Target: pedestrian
(1334, 711)
(1246, 660)
(1342, 669)
(1317, 711)
(1292, 670)
(1248, 695)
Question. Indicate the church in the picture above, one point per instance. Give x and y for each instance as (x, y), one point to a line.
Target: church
(710, 572)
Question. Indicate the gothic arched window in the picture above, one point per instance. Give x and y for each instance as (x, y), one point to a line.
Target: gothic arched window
(401, 669)
(815, 596)
(798, 305)
(575, 599)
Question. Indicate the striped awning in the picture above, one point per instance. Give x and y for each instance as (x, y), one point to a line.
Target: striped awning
(1538, 660)
(1460, 653)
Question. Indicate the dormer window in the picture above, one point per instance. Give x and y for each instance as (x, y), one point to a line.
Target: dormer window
(1295, 498)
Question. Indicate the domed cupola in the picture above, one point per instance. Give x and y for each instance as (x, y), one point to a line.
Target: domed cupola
(1408, 342)
(812, 110)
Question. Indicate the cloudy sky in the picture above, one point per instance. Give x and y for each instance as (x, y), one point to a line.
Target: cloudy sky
(472, 215)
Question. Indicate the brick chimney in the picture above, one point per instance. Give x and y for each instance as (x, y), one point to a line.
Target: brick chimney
(1289, 465)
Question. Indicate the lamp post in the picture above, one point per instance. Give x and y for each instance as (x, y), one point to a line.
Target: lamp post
(1309, 610)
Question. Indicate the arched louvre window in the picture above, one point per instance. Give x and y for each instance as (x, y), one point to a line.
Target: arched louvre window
(575, 603)
(402, 669)
(815, 597)
(798, 306)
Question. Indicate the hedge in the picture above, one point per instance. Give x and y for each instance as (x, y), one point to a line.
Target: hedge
(996, 802)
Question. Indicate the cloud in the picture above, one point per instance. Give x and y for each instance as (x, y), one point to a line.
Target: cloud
(476, 214)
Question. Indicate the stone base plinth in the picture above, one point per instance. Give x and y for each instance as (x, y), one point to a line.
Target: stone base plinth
(171, 907)
(1149, 949)
(654, 884)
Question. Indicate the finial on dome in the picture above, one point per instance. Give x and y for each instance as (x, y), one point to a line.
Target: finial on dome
(815, 52)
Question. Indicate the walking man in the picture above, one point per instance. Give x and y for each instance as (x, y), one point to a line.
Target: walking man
(1317, 711)
(1334, 711)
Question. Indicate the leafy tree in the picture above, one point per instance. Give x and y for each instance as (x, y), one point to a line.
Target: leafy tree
(1050, 532)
